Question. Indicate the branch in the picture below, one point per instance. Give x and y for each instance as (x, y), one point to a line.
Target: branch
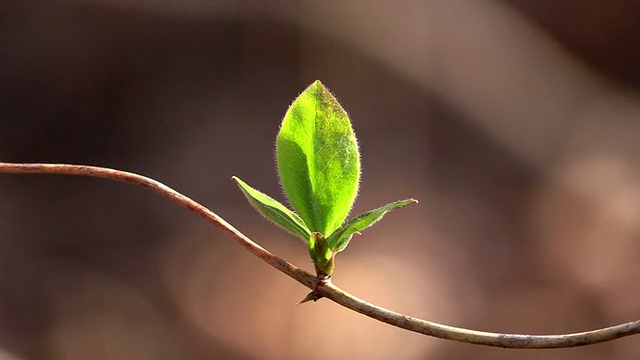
(324, 288)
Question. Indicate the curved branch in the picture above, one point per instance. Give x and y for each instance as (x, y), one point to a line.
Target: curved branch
(324, 288)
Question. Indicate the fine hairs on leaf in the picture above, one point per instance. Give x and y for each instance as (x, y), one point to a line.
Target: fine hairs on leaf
(340, 238)
(274, 211)
(315, 146)
(318, 159)
(319, 166)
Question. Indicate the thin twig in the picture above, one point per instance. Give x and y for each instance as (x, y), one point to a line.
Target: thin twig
(325, 288)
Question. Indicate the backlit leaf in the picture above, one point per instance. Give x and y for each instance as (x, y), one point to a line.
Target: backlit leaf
(318, 159)
(275, 211)
(339, 240)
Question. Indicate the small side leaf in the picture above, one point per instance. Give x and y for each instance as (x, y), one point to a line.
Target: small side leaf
(274, 211)
(339, 240)
(318, 159)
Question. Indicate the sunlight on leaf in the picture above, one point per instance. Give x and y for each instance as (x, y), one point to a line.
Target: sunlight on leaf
(318, 159)
(319, 167)
(339, 240)
(275, 211)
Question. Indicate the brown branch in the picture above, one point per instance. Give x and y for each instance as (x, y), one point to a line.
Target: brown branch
(324, 288)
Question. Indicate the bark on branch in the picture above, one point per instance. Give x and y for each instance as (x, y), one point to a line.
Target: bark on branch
(323, 287)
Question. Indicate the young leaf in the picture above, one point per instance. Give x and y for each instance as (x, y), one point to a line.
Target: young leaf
(274, 211)
(339, 240)
(318, 159)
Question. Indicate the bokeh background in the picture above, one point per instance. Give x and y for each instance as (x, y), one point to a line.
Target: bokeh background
(515, 123)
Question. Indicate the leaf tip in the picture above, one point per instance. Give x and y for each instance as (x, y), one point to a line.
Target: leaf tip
(320, 86)
(238, 181)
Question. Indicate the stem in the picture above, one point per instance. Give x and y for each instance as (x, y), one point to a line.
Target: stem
(326, 288)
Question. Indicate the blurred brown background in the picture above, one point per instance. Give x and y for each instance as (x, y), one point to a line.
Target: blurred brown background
(516, 123)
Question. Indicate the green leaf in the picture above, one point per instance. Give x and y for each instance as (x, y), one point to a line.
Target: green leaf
(339, 240)
(274, 211)
(318, 159)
